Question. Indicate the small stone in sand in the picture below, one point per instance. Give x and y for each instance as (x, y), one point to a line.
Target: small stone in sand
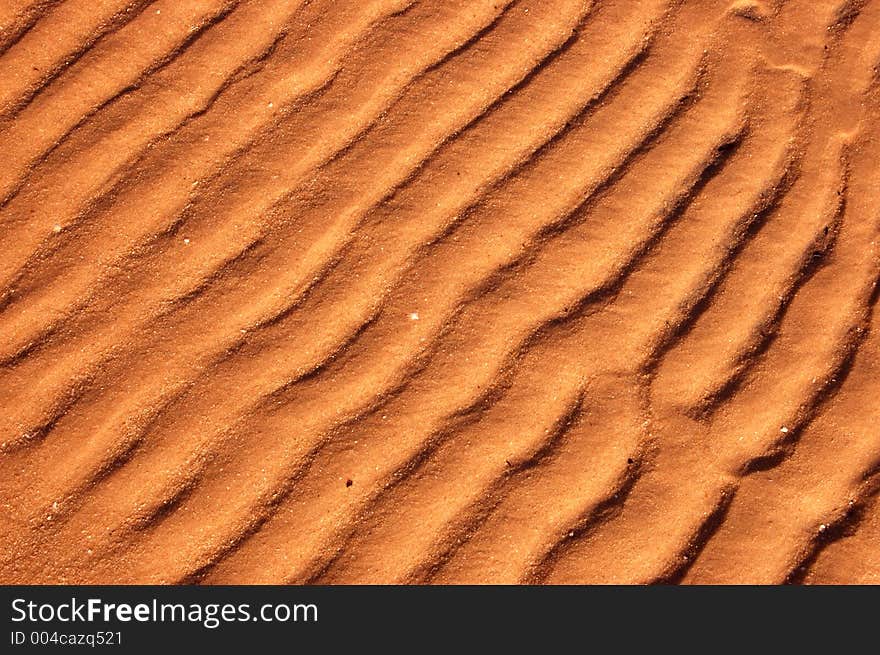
(186, 241)
(56, 229)
(783, 429)
(414, 316)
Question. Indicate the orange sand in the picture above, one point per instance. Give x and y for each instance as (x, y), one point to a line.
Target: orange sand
(446, 291)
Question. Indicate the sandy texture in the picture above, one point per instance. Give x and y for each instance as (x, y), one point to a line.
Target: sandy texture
(445, 291)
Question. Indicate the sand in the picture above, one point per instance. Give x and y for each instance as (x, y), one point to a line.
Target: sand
(451, 291)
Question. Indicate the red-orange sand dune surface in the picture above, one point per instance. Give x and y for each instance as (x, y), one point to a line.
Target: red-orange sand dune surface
(439, 291)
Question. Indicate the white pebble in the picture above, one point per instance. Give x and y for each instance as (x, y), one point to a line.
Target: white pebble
(783, 429)
(414, 316)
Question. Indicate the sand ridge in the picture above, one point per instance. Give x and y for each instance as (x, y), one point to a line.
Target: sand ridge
(439, 292)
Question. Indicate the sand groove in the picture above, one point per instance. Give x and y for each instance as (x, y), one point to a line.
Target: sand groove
(441, 291)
